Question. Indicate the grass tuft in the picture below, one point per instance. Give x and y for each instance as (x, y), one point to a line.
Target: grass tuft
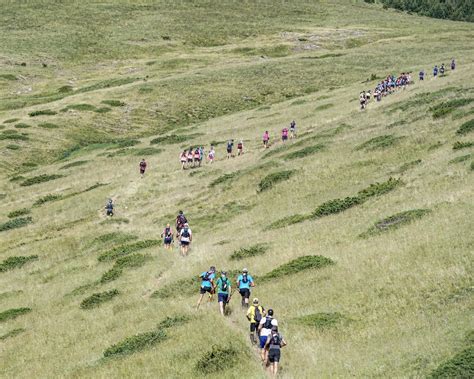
(466, 128)
(249, 252)
(297, 265)
(380, 142)
(12, 333)
(270, 180)
(309, 150)
(113, 103)
(135, 343)
(97, 299)
(459, 366)
(13, 147)
(11, 120)
(321, 320)
(19, 212)
(48, 125)
(102, 110)
(13, 313)
(43, 112)
(40, 179)
(216, 359)
(287, 221)
(22, 125)
(173, 321)
(79, 107)
(15, 223)
(130, 261)
(16, 262)
(124, 250)
(461, 158)
(462, 145)
(47, 199)
(73, 164)
(444, 108)
(395, 221)
(225, 178)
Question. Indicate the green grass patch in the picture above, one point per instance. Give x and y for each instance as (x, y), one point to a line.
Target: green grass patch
(270, 180)
(395, 221)
(46, 199)
(129, 261)
(380, 142)
(218, 358)
(65, 89)
(249, 252)
(79, 107)
(445, 108)
(43, 112)
(462, 145)
(8, 77)
(40, 179)
(19, 212)
(13, 147)
(12, 333)
(48, 125)
(409, 165)
(183, 287)
(459, 366)
(173, 139)
(466, 128)
(16, 178)
(13, 136)
(461, 158)
(323, 107)
(15, 223)
(97, 299)
(22, 125)
(13, 313)
(173, 321)
(123, 250)
(297, 265)
(309, 150)
(11, 120)
(226, 178)
(73, 164)
(16, 262)
(321, 320)
(102, 110)
(136, 343)
(113, 103)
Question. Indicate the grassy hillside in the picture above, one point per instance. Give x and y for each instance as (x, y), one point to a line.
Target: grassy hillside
(385, 196)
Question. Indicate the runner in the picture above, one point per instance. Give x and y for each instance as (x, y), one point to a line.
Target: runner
(255, 314)
(265, 328)
(274, 344)
(421, 75)
(197, 157)
(201, 155)
(142, 167)
(240, 148)
(207, 284)
(109, 208)
(180, 221)
(185, 237)
(167, 236)
(244, 282)
(190, 157)
(453, 64)
(435, 71)
(292, 129)
(284, 134)
(266, 139)
(441, 69)
(230, 145)
(183, 159)
(362, 100)
(211, 155)
(223, 291)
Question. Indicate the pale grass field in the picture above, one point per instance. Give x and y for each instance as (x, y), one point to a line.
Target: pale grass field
(405, 294)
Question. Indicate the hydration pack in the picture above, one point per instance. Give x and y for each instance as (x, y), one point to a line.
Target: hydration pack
(168, 232)
(245, 279)
(258, 315)
(224, 285)
(275, 340)
(268, 322)
(206, 276)
(185, 233)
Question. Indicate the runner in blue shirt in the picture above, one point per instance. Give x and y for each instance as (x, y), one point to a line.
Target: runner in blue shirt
(244, 282)
(207, 284)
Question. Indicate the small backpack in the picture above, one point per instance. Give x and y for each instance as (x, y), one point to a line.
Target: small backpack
(258, 315)
(268, 322)
(275, 340)
(185, 233)
(224, 285)
(245, 279)
(206, 277)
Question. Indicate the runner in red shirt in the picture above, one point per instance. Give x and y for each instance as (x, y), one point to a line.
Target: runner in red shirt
(142, 167)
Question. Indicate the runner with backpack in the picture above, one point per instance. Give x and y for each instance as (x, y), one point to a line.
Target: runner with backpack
(266, 139)
(273, 345)
(211, 155)
(230, 146)
(441, 69)
(167, 236)
(240, 148)
(183, 158)
(109, 208)
(207, 284)
(264, 329)
(185, 238)
(292, 129)
(255, 313)
(142, 167)
(435, 71)
(224, 288)
(190, 157)
(244, 282)
(284, 134)
(180, 221)
(453, 64)
(197, 157)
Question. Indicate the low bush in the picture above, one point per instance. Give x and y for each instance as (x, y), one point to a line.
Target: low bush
(461, 158)
(47, 199)
(123, 250)
(407, 166)
(113, 103)
(127, 143)
(15, 223)
(459, 366)
(380, 142)
(44, 112)
(102, 110)
(309, 150)
(296, 265)
(335, 206)
(16, 262)
(225, 178)
(65, 89)
(173, 321)
(13, 147)
(320, 320)
(444, 108)
(22, 125)
(10, 120)
(8, 77)
(48, 125)
(97, 299)
(40, 179)
(135, 343)
(12, 333)
(462, 145)
(79, 107)
(216, 359)
(249, 252)
(466, 128)
(13, 313)
(13, 136)
(16, 178)
(73, 164)
(130, 261)
(268, 181)
(19, 212)
(395, 221)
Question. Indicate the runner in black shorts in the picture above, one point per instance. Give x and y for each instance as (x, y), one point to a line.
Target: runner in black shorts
(274, 344)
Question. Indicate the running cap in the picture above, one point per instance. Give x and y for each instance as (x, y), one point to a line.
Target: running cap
(212, 268)
(245, 270)
(255, 300)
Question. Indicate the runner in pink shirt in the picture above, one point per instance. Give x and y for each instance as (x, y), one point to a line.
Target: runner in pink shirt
(266, 138)
(284, 134)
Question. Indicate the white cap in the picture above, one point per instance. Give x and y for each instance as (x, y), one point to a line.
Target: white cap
(274, 322)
